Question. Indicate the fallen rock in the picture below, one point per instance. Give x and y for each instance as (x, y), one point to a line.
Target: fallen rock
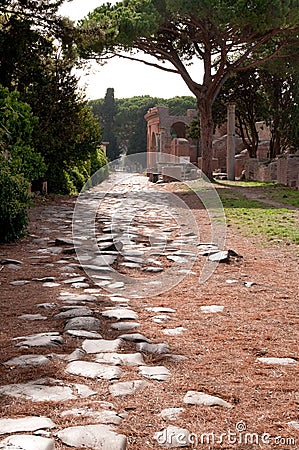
(153, 348)
(171, 413)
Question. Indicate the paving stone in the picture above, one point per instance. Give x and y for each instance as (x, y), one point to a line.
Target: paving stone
(79, 285)
(75, 280)
(153, 269)
(120, 359)
(171, 413)
(74, 312)
(134, 337)
(44, 279)
(120, 314)
(159, 373)
(84, 334)
(83, 323)
(77, 297)
(249, 284)
(174, 331)
(32, 317)
(200, 398)
(19, 282)
(97, 437)
(116, 285)
(47, 305)
(38, 392)
(76, 355)
(173, 437)
(101, 345)
(30, 423)
(83, 391)
(153, 348)
(121, 388)
(161, 318)
(50, 284)
(93, 370)
(125, 326)
(27, 442)
(50, 339)
(278, 361)
(5, 261)
(105, 416)
(211, 309)
(28, 361)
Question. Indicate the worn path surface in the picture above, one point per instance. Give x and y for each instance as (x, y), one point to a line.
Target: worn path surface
(97, 359)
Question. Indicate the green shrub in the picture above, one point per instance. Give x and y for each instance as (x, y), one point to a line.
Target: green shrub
(14, 203)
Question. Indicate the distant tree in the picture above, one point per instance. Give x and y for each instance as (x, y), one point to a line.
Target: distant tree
(245, 89)
(224, 36)
(108, 113)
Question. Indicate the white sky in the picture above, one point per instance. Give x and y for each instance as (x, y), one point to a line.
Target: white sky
(128, 78)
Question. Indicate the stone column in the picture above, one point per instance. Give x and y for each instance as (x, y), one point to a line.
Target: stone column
(230, 152)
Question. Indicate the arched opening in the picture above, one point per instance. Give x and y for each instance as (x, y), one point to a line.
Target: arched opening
(178, 130)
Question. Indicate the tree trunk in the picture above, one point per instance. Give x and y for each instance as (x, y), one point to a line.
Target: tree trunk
(206, 136)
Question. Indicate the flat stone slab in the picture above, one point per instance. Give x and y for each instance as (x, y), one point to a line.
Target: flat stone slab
(173, 437)
(74, 280)
(84, 334)
(83, 323)
(101, 345)
(211, 309)
(38, 392)
(50, 339)
(278, 361)
(200, 398)
(74, 312)
(19, 282)
(27, 442)
(171, 413)
(30, 423)
(127, 387)
(120, 359)
(161, 318)
(105, 416)
(77, 297)
(32, 317)
(97, 437)
(153, 348)
(120, 314)
(125, 326)
(93, 370)
(159, 373)
(134, 337)
(27, 361)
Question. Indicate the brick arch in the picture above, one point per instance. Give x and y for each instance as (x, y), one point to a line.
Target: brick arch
(178, 129)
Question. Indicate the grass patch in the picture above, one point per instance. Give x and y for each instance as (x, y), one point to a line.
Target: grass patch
(257, 218)
(281, 194)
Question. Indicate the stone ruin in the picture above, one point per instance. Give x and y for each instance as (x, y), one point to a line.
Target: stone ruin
(167, 135)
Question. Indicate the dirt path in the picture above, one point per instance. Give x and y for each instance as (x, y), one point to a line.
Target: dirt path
(215, 353)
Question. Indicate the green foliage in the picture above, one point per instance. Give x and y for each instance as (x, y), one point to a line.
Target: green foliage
(16, 127)
(14, 202)
(108, 112)
(222, 36)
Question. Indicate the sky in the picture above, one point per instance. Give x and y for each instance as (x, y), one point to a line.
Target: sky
(128, 78)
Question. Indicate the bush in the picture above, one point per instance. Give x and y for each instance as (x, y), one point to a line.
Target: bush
(14, 203)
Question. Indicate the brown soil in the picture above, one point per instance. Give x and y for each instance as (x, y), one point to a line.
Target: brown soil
(221, 349)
